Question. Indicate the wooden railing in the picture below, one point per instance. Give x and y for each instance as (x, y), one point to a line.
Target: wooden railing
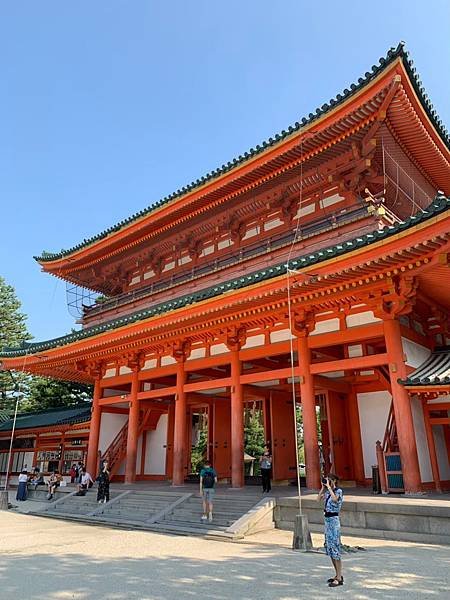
(390, 440)
(116, 451)
(388, 458)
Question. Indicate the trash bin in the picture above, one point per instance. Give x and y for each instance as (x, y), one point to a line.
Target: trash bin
(376, 483)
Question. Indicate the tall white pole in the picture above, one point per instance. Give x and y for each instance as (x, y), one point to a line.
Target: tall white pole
(11, 442)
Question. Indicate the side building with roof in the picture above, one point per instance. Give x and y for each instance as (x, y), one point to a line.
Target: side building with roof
(313, 269)
(49, 440)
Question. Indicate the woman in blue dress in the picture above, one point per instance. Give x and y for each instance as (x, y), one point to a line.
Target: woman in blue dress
(332, 497)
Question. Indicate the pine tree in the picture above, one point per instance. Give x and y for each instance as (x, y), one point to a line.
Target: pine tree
(38, 393)
(13, 332)
(44, 392)
(254, 435)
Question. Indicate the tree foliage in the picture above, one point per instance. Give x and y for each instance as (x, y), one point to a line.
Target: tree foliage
(38, 393)
(199, 451)
(13, 331)
(46, 393)
(254, 435)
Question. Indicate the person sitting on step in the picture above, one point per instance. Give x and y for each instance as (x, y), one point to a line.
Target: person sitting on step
(53, 483)
(86, 482)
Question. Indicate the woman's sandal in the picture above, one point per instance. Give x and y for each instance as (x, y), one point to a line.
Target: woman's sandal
(334, 582)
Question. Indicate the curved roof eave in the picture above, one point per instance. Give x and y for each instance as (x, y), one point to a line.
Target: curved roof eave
(392, 55)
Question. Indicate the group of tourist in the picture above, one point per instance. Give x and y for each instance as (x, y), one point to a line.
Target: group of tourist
(330, 494)
(78, 475)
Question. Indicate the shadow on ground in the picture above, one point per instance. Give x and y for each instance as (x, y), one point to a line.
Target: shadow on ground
(252, 572)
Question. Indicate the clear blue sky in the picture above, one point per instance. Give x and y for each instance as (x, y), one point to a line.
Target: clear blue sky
(107, 106)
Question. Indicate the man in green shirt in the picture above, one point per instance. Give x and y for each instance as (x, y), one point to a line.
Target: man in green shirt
(208, 479)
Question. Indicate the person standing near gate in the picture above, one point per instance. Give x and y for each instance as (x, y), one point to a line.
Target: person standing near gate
(265, 463)
(208, 479)
(103, 484)
(332, 497)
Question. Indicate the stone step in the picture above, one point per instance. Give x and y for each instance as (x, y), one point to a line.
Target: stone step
(197, 514)
(113, 516)
(69, 510)
(120, 511)
(190, 529)
(146, 506)
(194, 522)
(86, 505)
(125, 502)
(119, 520)
(222, 502)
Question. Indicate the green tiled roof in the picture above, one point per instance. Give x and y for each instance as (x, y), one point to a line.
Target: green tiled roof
(47, 418)
(391, 56)
(434, 371)
(4, 415)
(439, 205)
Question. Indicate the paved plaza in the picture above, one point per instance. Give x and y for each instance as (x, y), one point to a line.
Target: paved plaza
(43, 558)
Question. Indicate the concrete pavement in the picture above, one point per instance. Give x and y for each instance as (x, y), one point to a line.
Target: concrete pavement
(58, 561)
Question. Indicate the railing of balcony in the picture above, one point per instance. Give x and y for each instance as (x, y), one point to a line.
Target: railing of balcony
(332, 220)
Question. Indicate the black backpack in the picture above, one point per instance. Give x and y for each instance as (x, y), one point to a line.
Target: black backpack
(208, 480)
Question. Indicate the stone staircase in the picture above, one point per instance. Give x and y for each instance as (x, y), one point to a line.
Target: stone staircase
(140, 508)
(185, 518)
(75, 505)
(171, 512)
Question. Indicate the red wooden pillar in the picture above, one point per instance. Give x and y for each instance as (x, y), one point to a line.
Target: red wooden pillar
(133, 429)
(355, 436)
(431, 447)
(94, 430)
(237, 422)
(179, 440)
(308, 400)
(402, 407)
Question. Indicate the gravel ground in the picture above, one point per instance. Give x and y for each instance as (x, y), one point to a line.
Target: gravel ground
(57, 560)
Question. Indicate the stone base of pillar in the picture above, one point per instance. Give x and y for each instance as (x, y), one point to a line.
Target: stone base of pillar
(302, 535)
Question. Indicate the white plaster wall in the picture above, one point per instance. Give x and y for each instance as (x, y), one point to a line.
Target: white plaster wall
(150, 364)
(197, 353)
(439, 399)
(354, 351)
(218, 349)
(415, 353)
(281, 335)
(155, 458)
(334, 199)
(441, 452)
(254, 340)
(426, 473)
(326, 326)
(362, 318)
(167, 360)
(110, 426)
(373, 414)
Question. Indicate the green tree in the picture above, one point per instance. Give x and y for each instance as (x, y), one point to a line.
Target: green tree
(38, 393)
(254, 439)
(198, 453)
(13, 332)
(45, 392)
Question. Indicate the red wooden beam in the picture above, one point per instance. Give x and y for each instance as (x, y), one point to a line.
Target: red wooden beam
(359, 362)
